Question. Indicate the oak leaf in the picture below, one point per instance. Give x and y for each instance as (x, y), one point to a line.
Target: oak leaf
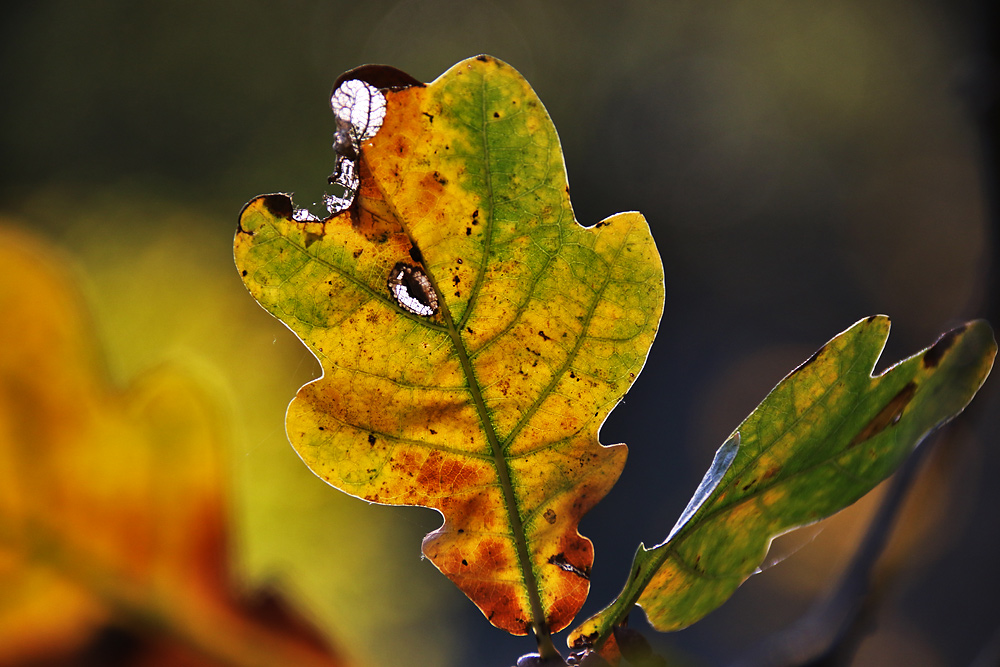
(827, 434)
(473, 336)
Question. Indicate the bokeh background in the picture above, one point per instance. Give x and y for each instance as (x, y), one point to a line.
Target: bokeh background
(802, 165)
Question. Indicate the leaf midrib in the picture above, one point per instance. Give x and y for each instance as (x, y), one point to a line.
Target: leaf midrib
(517, 531)
(499, 460)
(717, 509)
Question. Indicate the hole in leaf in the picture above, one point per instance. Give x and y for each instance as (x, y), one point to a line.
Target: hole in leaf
(359, 110)
(412, 289)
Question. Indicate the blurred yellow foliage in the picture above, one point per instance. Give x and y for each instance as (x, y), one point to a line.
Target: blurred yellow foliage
(113, 503)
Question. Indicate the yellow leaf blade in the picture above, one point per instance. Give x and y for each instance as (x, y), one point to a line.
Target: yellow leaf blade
(484, 402)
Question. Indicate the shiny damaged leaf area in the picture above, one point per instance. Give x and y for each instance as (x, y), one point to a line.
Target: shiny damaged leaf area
(473, 336)
(826, 435)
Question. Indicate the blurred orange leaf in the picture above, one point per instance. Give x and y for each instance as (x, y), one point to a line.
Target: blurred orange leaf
(113, 504)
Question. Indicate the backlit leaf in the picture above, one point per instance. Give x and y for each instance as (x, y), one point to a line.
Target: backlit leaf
(473, 336)
(113, 511)
(825, 435)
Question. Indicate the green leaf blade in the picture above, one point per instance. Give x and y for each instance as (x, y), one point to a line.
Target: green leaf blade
(824, 436)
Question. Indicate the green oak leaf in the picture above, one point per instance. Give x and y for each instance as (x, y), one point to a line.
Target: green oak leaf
(826, 435)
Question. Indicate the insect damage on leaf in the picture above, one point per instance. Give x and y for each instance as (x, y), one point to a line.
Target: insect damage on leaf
(412, 290)
(359, 109)
(358, 104)
(473, 335)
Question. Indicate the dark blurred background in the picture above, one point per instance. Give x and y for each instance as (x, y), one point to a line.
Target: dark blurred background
(802, 165)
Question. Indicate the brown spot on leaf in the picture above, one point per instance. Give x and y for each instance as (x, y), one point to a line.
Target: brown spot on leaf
(371, 438)
(933, 356)
(278, 205)
(416, 255)
(544, 337)
(550, 515)
(814, 357)
(432, 184)
(887, 416)
(492, 555)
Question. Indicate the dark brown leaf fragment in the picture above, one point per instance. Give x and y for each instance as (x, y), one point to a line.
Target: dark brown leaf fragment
(280, 205)
(888, 416)
(932, 357)
(382, 77)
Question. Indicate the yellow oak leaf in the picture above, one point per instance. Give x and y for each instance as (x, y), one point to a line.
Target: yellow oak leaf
(473, 336)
